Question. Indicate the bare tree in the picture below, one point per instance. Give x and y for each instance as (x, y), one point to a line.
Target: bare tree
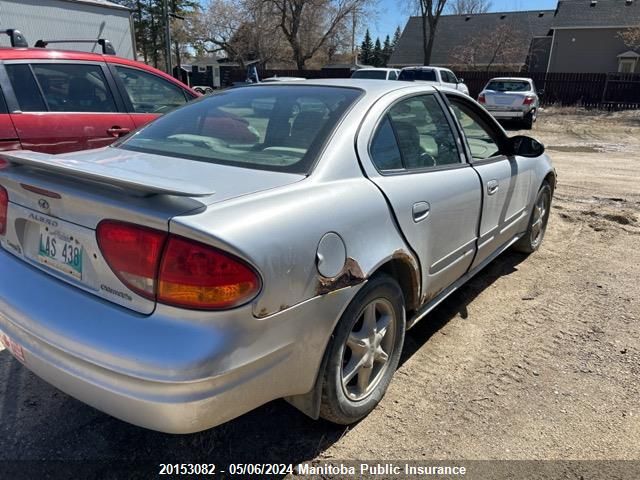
(631, 37)
(468, 7)
(308, 25)
(502, 46)
(430, 11)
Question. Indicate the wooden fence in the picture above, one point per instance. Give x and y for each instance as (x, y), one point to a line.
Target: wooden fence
(610, 91)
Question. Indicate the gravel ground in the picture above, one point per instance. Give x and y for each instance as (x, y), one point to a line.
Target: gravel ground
(536, 358)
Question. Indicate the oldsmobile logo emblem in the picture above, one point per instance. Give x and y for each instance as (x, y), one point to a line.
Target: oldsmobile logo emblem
(43, 204)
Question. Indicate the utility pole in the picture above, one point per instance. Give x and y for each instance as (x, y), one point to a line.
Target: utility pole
(167, 37)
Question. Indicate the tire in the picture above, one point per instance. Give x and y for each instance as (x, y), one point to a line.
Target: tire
(527, 121)
(354, 342)
(532, 239)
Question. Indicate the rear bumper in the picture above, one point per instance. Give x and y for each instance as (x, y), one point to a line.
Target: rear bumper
(508, 114)
(174, 371)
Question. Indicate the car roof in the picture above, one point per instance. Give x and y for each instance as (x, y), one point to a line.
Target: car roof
(12, 53)
(424, 67)
(373, 87)
(366, 84)
(510, 79)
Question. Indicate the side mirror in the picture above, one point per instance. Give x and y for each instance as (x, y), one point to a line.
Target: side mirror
(525, 146)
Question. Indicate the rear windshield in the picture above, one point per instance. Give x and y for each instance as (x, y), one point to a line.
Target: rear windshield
(508, 86)
(411, 75)
(279, 128)
(374, 74)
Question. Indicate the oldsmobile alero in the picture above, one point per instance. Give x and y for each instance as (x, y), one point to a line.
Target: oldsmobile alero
(184, 275)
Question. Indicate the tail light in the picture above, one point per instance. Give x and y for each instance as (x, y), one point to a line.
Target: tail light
(174, 270)
(194, 275)
(4, 208)
(528, 100)
(482, 99)
(133, 253)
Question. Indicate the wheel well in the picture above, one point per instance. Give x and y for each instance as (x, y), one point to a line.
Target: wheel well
(407, 277)
(551, 180)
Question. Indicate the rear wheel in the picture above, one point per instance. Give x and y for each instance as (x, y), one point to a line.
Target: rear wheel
(528, 120)
(364, 352)
(537, 222)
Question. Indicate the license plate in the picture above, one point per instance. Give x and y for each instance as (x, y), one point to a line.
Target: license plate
(12, 346)
(60, 251)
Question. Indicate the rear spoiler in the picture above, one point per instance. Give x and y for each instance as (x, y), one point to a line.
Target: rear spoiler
(133, 182)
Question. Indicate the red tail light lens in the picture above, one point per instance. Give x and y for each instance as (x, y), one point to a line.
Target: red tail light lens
(4, 208)
(194, 275)
(528, 100)
(175, 270)
(133, 253)
(481, 98)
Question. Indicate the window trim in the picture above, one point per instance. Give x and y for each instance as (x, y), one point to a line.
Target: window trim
(122, 89)
(486, 120)
(13, 106)
(406, 171)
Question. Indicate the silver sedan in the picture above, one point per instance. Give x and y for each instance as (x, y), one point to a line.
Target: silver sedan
(511, 98)
(218, 259)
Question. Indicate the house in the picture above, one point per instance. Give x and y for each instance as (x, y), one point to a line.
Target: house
(586, 36)
(70, 19)
(200, 72)
(475, 41)
(580, 36)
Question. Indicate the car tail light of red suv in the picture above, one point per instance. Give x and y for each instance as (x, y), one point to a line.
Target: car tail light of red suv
(175, 270)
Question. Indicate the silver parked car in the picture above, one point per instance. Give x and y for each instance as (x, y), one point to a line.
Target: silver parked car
(511, 98)
(216, 260)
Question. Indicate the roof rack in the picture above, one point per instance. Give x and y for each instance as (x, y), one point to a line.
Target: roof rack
(16, 37)
(107, 46)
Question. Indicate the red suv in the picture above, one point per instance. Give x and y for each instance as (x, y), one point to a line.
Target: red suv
(57, 101)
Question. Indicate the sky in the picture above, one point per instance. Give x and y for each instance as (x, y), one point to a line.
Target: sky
(394, 13)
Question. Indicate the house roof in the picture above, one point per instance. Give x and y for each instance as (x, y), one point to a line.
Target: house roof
(603, 13)
(457, 31)
(629, 54)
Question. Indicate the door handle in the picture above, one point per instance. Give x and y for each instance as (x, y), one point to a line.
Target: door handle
(492, 186)
(116, 131)
(420, 211)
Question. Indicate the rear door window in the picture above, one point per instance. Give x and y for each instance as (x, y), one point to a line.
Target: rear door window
(148, 92)
(424, 133)
(61, 88)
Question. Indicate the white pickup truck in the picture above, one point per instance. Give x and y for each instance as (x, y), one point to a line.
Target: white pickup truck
(434, 76)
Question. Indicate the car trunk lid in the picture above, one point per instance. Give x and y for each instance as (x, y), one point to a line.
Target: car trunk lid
(57, 201)
(504, 99)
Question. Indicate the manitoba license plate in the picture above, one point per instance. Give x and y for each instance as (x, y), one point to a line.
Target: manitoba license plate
(60, 251)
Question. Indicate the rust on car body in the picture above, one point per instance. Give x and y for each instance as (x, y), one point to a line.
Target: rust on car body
(350, 275)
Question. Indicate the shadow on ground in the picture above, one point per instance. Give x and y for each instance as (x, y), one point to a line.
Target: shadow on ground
(39, 422)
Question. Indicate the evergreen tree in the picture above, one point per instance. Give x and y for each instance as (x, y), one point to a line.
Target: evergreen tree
(396, 38)
(366, 49)
(378, 61)
(387, 50)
